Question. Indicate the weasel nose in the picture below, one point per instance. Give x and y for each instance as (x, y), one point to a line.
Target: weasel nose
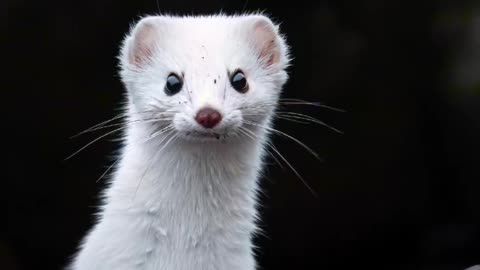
(208, 117)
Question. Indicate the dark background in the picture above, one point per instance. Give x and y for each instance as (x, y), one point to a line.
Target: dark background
(399, 190)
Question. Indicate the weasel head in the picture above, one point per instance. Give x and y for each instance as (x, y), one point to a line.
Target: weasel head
(204, 78)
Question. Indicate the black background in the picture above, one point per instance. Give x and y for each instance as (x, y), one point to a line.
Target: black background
(399, 190)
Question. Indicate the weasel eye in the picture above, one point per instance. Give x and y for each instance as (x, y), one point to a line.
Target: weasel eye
(174, 84)
(239, 82)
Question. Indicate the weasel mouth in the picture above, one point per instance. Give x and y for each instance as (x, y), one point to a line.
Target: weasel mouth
(204, 135)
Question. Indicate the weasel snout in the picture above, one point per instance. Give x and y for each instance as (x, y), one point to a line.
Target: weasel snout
(208, 117)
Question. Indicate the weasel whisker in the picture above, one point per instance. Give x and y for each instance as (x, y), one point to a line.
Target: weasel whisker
(308, 118)
(116, 117)
(254, 137)
(158, 133)
(95, 140)
(107, 170)
(292, 120)
(295, 171)
(287, 136)
(146, 120)
(272, 146)
(294, 101)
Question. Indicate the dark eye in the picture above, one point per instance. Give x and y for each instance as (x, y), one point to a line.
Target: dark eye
(174, 85)
(239, 82)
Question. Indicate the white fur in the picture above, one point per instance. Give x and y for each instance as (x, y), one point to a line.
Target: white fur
(185, 199)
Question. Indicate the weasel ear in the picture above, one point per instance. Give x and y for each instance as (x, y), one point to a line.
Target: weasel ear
(265, 39)
(143, 41)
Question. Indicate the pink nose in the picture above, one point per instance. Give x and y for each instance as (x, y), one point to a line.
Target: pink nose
(208, 117)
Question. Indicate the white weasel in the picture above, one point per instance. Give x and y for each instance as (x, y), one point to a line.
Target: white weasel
(201, 92)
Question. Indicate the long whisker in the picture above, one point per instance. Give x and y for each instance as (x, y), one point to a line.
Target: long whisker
(252, 136)
(294, 101)
(175, 135)
(296, 173)
(292, 120)
(146, 120)
(272, 146)
(118, 116)
(159, 132)
(313, 153)
(305, 117)
(108, 169)
(93, 141)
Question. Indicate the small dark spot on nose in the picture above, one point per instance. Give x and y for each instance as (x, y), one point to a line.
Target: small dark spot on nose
(203, 57)
(215, 81)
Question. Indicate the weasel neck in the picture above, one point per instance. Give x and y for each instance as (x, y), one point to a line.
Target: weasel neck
(187, 206)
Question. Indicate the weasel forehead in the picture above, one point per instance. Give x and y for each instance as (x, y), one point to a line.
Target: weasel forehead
(207, 59)
(207, 49)
(202, 41)
(205, 38)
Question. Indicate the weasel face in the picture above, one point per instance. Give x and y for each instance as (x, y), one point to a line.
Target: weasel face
(205, 78)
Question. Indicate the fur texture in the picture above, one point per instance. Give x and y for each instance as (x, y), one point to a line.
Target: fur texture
(183, 196)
